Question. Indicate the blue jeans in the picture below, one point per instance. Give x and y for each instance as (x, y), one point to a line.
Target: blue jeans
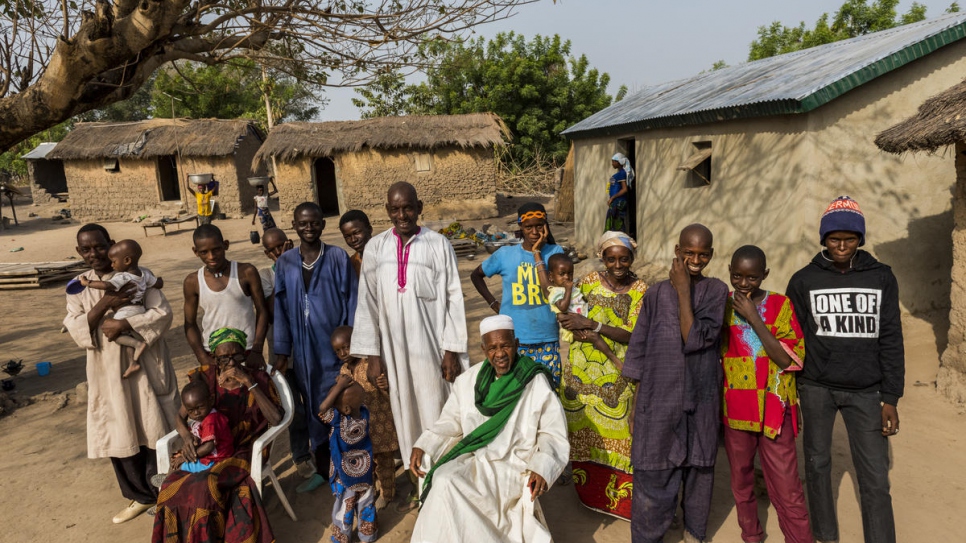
(862, 414)
(298, 431)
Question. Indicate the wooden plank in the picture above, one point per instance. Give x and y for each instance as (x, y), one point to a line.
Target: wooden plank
(27, 269)
(16, 286)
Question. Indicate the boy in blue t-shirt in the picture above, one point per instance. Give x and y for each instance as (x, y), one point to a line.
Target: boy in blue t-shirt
(351, 461)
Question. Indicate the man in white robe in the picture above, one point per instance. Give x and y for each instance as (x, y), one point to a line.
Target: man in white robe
(490, 470)
(410, 320)
(125, 417)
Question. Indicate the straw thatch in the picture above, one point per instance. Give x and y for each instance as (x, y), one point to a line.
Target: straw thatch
(295, 140)
(154, 138)
(941, 121)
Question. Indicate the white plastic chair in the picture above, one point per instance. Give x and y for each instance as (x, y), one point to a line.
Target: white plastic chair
(261, 467)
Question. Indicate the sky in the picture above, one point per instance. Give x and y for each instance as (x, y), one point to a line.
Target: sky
(643, 42)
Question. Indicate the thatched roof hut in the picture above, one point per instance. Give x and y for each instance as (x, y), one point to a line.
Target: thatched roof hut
(114, 170)
(154, 138)
(346, 165)
(941, 121)
(295, 140)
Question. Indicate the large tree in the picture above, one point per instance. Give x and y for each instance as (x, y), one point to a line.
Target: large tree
(853, 18)
(61, 58)
(538, 87)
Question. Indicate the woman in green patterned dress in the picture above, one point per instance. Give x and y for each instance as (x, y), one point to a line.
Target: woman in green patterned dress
(597, 400)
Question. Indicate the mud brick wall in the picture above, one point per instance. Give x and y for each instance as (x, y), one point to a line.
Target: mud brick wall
(951, 380)
(97, 194)
(461, 183)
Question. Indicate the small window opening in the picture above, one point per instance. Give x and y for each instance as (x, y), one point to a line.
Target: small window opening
(698, 163)
(112, 165)
(424, 162)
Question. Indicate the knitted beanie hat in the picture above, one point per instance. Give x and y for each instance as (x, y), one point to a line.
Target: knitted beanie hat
(843, 214)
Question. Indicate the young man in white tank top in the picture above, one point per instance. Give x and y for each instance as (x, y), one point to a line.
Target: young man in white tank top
(230, 295)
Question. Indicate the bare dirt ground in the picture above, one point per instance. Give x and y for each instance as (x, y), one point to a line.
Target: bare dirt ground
(51, 491)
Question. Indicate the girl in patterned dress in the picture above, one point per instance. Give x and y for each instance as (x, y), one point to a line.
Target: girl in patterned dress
(350, 470)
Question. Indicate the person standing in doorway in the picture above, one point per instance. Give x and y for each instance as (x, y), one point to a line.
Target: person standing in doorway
(848, 304)
(618, 188)
(411, 322)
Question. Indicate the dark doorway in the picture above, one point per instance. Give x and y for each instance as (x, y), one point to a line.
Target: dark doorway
(168, 178)
(49, 174)
(630, 148)
(326, 190)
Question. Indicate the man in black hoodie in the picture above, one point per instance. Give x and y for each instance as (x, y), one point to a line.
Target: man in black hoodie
(848, 304)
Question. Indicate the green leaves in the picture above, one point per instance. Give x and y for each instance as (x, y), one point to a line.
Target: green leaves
(854, 18)
(229, 91)
(537, 87)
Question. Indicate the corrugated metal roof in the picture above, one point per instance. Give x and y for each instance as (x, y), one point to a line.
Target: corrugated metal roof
(791, 83)
(39, 152)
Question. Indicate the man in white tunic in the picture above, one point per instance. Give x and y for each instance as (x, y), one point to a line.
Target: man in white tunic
(510, 436)
(409, 320)
(125, 417)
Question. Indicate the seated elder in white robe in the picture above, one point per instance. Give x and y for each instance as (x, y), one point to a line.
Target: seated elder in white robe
(489, 469)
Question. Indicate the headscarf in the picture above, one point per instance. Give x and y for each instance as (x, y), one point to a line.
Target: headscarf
(614, 239)
(535, 210)
(227, 335)
(626, 166)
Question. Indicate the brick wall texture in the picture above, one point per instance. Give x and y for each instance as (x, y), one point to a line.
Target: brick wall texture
(97, 194)
(460, 185)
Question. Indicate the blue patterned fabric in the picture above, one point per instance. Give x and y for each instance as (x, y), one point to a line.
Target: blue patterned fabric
(545, 354)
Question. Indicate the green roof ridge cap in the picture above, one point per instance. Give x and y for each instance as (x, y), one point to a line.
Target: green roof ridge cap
(882, 66)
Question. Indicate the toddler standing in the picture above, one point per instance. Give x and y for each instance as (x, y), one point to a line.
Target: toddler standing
(384, 443)
(351, 461)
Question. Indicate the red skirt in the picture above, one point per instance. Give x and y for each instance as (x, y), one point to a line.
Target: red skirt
(604, 489)
(217, 505)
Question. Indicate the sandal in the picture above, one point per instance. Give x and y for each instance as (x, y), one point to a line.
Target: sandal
(408, 504)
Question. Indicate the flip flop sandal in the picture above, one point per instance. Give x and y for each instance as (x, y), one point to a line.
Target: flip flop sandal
(410, 503)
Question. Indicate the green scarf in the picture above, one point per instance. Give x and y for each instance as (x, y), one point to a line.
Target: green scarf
(495, 398)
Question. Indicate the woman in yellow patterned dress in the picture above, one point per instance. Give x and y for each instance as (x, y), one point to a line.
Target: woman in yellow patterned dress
(597, 400)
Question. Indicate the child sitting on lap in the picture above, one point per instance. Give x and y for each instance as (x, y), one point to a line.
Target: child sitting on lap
(351, 461)
(124, 256)
(213, 441)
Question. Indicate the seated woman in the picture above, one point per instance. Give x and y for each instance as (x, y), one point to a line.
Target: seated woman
(596, 398)
(222, 504)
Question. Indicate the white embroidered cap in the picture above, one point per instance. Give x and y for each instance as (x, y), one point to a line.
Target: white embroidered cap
(496, 322)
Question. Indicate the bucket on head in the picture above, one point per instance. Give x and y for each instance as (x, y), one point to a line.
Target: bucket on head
(43, 368)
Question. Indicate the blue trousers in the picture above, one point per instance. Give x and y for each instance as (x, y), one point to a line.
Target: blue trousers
(862, 413)
(656, 498)
(298, 431)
